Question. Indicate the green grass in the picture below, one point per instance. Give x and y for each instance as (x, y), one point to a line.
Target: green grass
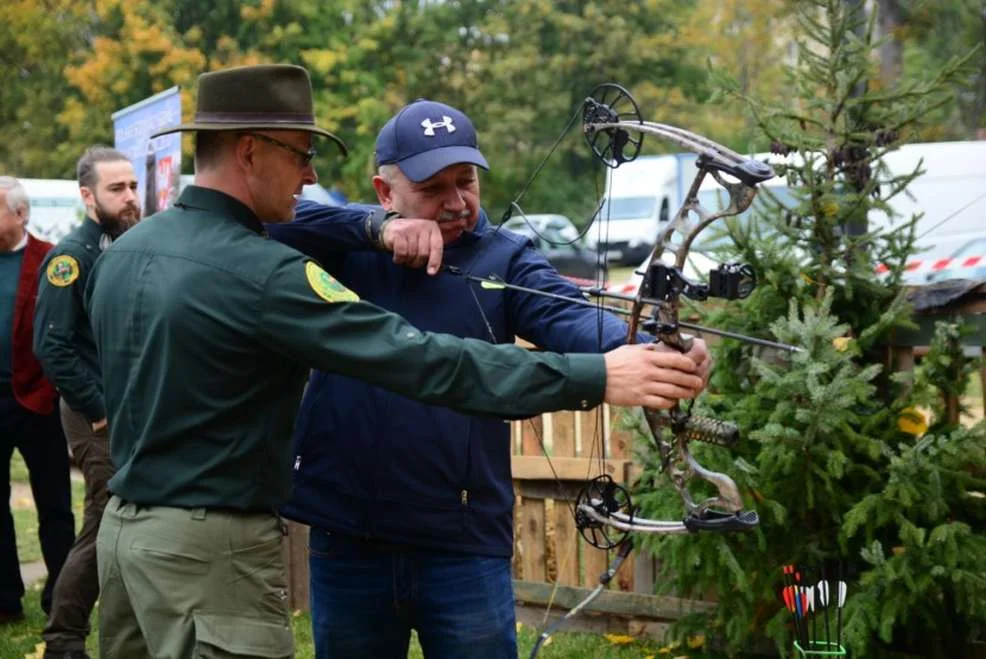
(18, 470)
(22, 640)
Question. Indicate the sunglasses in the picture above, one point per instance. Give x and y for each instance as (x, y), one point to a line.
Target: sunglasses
(304, 157)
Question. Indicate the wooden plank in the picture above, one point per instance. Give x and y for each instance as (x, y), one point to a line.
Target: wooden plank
(532, 433)
(591, 433)
(561, 491)
(563, 434)
(566, 543)
(609, 601)
(531, 516)
(626, 577)
(528, 467)
(594, 562)
(515, 562)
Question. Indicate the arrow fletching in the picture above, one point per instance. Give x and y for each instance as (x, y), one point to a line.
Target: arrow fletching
(823, 593)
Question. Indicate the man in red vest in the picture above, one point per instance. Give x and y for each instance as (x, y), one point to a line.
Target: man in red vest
(29, 419)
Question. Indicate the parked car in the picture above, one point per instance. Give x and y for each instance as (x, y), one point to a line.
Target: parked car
(967, 262)
(558, 239)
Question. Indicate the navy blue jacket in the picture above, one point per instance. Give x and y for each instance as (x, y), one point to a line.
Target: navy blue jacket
(375, 464)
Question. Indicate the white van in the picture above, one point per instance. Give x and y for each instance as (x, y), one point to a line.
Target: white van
(950, 196)
(641, 195)
(56, 207)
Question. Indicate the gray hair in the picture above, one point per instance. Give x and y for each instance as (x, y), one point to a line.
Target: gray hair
(388, 172)
(16, 195)
(85, 170)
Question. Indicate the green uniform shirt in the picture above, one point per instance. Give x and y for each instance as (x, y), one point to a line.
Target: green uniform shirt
(206, 330)
(62, 336)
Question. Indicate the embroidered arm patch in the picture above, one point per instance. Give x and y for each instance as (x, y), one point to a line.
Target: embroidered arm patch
(326, 286)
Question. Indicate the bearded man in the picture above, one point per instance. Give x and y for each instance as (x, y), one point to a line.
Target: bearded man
(64, 344)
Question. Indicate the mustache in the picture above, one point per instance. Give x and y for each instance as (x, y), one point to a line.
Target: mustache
(450, 216)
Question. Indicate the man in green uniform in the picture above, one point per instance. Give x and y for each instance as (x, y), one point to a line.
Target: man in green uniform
(64, 345)
(206, 331)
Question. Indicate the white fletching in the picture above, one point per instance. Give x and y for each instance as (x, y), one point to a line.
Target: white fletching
(842, 593)
(823, 593)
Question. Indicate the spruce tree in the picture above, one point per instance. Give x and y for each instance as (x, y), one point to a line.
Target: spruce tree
(836, 474)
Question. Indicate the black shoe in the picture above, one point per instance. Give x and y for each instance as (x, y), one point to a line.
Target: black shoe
(65, 654)
(11, 617)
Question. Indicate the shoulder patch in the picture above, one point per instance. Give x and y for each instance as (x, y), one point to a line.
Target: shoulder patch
(62, 271)
(326, 286)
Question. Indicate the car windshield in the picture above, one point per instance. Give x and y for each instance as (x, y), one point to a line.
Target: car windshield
(627, 208)
(973, 248)
(554, 228)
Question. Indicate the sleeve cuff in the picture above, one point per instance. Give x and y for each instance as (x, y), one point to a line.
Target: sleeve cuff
(586, 386)
(375, 224)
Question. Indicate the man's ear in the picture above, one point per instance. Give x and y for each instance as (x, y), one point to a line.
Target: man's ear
(23, 214)
(88, 196)
(245, 152)
(384, 192)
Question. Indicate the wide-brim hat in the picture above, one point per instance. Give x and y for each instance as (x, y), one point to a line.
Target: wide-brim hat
(262, 97)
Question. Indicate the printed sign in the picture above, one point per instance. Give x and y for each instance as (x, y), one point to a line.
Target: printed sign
(157, 162)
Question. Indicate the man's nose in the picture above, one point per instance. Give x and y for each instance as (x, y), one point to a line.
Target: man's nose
(454, 200)
(308, 175)
(129, 194)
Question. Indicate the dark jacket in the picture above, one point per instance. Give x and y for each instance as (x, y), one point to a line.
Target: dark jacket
(377, 464)
(31, 388)
(62, 335)
(206, 330)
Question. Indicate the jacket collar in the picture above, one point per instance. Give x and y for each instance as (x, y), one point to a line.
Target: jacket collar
(213, 201)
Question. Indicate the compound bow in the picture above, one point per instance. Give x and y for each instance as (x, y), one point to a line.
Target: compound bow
(604, 512)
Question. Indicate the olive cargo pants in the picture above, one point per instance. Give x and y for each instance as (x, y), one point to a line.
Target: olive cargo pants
(178, 583)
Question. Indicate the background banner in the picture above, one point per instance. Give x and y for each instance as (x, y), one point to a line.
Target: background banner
(157, 162)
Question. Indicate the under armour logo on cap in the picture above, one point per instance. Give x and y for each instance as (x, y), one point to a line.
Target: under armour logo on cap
(445, 123)
(413, 140)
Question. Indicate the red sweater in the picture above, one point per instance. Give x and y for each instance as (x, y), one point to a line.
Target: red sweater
(31, 388)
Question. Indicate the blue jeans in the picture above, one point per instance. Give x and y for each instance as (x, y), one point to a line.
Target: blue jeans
(367, 598)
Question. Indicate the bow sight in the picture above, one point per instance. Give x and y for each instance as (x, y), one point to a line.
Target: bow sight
(731, 281)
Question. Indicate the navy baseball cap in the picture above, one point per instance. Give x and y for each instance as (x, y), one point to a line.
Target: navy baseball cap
(425, 137)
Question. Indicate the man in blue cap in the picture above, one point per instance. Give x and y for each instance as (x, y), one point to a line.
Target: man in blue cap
(410, 505)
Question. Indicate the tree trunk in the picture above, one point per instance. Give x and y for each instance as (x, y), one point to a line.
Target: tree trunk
(890, 57)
